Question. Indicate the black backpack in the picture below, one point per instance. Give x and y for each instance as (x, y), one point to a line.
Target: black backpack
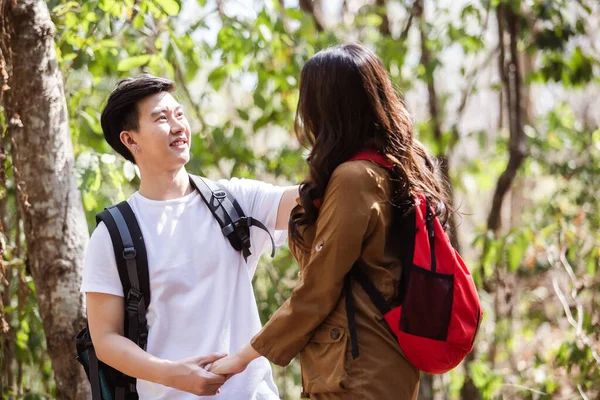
(132, 262)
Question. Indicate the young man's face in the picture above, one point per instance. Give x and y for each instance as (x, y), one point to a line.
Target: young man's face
(163, 137)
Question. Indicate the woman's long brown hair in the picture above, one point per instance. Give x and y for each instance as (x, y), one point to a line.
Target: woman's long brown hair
(347, 103)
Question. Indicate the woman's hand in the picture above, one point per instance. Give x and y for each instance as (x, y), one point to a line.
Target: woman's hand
(228, 366)
(236, 363)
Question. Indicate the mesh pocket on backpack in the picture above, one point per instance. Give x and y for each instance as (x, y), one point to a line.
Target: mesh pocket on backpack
(428, 304)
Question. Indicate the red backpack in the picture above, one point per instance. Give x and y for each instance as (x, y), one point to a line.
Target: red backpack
(439, 311)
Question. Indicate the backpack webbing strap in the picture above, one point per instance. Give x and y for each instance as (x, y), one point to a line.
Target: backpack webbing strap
(243, 221)
(135, 306)
(368, 286)
(374, 294)
(94, 374)
(228, 213)
(430, 234)
(351, 315)
(120, 393)
(125, 233)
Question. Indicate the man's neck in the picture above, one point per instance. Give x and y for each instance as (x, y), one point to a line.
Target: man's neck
(165, 185)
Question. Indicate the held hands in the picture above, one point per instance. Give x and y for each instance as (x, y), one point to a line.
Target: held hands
(236, 363)
(228, 366)
(191, 375)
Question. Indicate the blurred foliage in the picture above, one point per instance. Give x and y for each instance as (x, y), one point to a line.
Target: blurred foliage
(238, 79)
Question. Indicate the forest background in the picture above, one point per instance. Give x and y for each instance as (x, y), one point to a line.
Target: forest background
(504, 92)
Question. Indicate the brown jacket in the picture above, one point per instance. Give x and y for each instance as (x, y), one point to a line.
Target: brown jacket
(352, 225)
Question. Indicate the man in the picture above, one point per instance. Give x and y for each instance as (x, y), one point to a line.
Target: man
(202, 299)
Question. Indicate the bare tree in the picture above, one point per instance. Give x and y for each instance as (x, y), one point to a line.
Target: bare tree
(511, 76)
(48, 198)
(510, 73)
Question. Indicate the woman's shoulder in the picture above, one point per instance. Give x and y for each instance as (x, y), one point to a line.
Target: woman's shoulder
(359, 173)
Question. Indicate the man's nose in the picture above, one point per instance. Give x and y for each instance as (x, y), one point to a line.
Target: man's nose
(177, 126)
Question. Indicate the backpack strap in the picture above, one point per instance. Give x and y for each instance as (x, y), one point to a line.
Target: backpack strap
(94, 374)
(132, 264)
(375, 295)
(351, 314)
(235, 225)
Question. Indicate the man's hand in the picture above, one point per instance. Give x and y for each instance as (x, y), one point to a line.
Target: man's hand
(230, 365)
(191, 375)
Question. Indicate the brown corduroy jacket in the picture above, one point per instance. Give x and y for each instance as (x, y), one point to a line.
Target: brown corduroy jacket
(353, 224)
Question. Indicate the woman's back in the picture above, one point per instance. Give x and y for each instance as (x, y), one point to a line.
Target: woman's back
(358, 194)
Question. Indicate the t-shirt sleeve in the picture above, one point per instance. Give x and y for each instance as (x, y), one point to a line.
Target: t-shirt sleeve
(258, 200)
(100, 272)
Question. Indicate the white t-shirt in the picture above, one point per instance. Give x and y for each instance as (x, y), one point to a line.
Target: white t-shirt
(202, 300)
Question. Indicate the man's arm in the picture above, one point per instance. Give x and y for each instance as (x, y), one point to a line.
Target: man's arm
(105, 319)
(288, 201)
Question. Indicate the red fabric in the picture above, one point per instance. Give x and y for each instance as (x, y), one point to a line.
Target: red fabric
(372, 155)
(422, 256)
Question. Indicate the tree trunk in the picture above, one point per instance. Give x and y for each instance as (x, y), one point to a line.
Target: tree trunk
(510, 72)
(49, 200)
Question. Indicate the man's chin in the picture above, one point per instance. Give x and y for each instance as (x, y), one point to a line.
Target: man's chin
(183, 156)
(186, 158)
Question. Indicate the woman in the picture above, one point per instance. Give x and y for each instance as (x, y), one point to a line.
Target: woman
(347, 106)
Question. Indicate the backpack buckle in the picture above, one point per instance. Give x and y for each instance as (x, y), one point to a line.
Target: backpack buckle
(244, 222)
(129, 253)
(219, 194)
(133, 296)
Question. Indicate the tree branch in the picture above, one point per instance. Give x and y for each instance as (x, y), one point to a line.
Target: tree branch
(313, 7)
(409, 22)
(578, 332)
(384, 28)
(471, 80)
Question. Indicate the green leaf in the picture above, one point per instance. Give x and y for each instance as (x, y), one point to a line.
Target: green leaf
(106, 5)
(516, 249)
(243, 114)
(591, 265)
(262, 121)
(171, 7)
(89, 201)
(294, 13)
(133, 62)
(217, 76)
(259, 100)
(138, 21)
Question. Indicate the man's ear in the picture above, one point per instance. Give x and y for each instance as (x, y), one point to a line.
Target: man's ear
(129, 142)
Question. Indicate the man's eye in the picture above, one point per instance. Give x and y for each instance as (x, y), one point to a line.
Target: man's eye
(180, 114)
(162, 117)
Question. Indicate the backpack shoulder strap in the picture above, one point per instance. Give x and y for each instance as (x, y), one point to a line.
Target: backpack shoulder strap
(246, 220)
(132, 264)
(235, 225)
